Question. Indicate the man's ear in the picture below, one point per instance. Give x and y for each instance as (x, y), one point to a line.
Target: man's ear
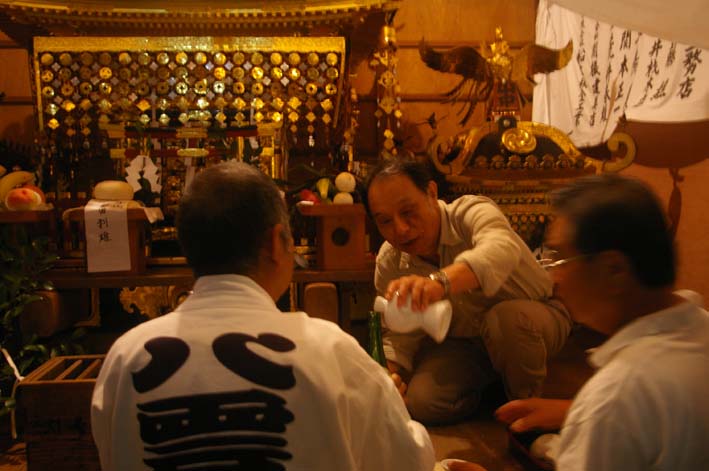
(432, 190)
(279, 242)
(617, 270)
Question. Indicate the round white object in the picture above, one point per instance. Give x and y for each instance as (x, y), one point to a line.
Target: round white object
(113, 190)
(343, 198)
(346, 182)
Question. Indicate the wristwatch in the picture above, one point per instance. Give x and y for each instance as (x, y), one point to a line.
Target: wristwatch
(441, 277)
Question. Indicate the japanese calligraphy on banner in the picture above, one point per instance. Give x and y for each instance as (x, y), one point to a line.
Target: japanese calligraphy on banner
(107, 246)
(615, 72)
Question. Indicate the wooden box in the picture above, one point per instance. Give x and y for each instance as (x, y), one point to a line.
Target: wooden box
(54, 409)
(138, 236)
(339, 234)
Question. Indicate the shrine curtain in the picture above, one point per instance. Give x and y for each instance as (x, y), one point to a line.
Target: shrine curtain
(619, 67)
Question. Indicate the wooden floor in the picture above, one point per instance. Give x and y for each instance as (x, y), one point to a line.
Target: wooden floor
(480, 439)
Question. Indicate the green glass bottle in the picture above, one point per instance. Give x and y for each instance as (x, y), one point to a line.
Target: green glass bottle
(376, 349)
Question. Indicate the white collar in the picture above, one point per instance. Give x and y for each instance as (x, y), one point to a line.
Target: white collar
(674, 318)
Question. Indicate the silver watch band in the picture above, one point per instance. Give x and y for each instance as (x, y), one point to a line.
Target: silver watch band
(441, 277)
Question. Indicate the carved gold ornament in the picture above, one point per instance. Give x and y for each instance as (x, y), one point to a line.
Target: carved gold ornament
(519, 141)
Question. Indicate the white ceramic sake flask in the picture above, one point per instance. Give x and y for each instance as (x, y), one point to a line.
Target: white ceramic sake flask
(434, 320)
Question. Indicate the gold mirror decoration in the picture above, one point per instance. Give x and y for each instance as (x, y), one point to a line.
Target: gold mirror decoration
(65, 74)
(142, 89)
(201, 87)
(163, 58)
(219, 73)
(277, 103)
(104, 58)
(294, 73)
(294, 58)
(143, 74)
(202, 103)
(256, 58)
(331, 59)
(105, 73)
(65, 59)
(51, 109)
(200, 58)
(238, 73)
(276, 58)
(124, 73)
(87, 58)
(85, 88)
(124, 58)
(85, 73)
(163, 73)
(276, 73)
(239, 88)
(46, 75)
(312, 73)
(181, 88)
(46, 59)
(181, 58)
(164, 119)
(218, 87)
(257, 73)
(143, 58)
(67, 89)
(313, 58)
(257, 88)
(238, 58)
(182, 103)
(219, 58)
(239, 104)
(181, 73)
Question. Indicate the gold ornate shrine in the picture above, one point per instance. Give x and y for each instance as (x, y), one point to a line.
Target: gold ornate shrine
(514, 162)
(517, 163)
(225, 82)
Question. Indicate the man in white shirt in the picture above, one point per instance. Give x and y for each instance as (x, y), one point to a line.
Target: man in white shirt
(646, 407)
(227, 381)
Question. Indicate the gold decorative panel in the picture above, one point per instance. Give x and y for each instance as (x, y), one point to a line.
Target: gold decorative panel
(212, 82)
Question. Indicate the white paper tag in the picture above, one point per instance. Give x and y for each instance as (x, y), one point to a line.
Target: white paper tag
(107, 246)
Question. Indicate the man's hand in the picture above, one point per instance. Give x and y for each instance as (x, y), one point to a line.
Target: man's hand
(533, 414)
(399, 383)
(422, 290)
(394, 370)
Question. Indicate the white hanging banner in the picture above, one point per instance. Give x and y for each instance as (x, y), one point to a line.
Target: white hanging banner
(615, 72)
(107, 245)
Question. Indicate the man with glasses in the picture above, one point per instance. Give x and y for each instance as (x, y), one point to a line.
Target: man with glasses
(645, 408)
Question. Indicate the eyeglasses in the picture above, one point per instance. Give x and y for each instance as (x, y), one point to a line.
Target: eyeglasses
(553, 262)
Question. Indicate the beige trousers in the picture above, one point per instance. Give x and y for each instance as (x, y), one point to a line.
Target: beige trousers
(517, 339)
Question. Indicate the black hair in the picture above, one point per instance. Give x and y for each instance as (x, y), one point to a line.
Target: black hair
(225, 215)
(420, 173)
(613, 212)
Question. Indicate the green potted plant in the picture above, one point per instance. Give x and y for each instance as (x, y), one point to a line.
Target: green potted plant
(22, 260)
